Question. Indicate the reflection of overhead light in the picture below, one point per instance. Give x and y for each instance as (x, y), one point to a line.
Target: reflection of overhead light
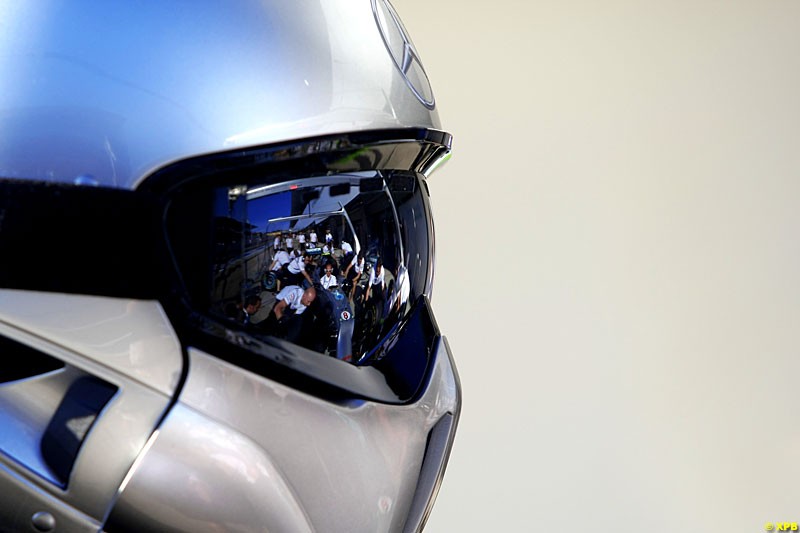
(236, 192)
(435, 165)
(86, 179)
(257, 190)
(80, 425)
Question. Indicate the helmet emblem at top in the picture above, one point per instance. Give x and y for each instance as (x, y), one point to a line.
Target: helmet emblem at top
(402, 51)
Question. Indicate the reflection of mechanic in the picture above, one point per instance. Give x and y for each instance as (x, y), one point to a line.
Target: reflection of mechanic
(287, 319)
(328, 237)
(293, 300)
(251, 306)
(281, 258)
(328, 280)
(296, 270)
(354, 270)
(242, 312)
(356, 265)
(347, 253)
(376, 287)
(313, 237)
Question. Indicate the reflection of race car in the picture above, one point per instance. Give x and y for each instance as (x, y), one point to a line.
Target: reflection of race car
(313, 250)
(334, 322)
(330, 330)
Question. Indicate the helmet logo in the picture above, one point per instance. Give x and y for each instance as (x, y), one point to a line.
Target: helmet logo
(403, 53)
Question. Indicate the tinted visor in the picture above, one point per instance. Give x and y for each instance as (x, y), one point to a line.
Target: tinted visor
(310, 263)
(329, 263)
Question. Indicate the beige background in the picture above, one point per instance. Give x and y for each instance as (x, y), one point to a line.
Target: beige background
(617, 261)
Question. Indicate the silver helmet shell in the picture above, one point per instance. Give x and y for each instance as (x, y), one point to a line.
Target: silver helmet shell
(117, 91)
(127, 406)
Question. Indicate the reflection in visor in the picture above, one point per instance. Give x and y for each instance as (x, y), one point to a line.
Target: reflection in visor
(331, 264)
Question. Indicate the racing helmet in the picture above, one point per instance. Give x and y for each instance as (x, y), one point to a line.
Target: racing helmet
(216, 267)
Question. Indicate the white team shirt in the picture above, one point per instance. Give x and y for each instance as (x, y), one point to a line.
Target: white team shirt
(376, 280)
(292, 295)
(282, 257)
(328, 281)
(313, 237)
(297, 265)
(346, 248)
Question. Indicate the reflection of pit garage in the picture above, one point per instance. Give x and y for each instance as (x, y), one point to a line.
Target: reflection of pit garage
(382, 217)
(268, 299)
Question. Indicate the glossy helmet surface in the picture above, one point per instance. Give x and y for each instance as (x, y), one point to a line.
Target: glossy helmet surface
(150, 155)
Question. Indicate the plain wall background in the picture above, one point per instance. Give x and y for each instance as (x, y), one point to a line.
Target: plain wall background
(617, 261)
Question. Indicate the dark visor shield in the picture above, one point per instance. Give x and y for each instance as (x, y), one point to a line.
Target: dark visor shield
(316, 256)
(330, 263)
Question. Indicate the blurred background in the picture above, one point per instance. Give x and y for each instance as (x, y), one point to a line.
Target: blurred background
(617, 261)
